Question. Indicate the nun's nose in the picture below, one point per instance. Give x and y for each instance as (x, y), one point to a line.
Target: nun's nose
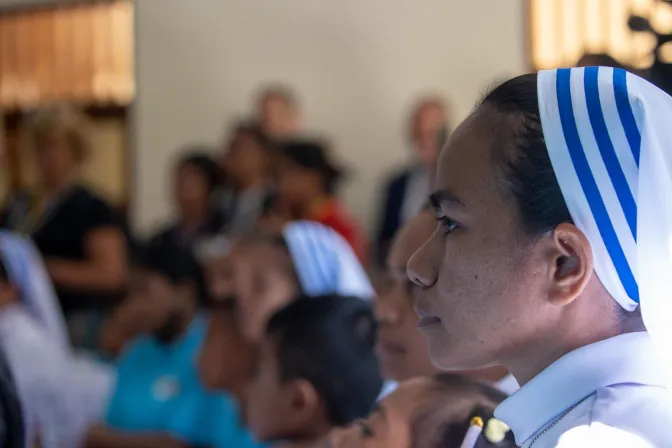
(420, 268)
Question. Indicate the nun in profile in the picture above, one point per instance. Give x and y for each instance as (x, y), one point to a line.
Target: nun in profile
(553, 256)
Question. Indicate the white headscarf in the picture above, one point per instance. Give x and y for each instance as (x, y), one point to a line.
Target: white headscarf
(324, 262)
(36, 292)
(609, 137)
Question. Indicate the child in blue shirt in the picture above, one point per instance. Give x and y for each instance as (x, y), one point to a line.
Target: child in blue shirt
(159, 399)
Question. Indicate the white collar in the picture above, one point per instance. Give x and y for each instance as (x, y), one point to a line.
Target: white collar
(628, 358)
(508, 384)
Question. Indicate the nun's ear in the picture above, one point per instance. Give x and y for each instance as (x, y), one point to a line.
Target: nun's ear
(570, 264)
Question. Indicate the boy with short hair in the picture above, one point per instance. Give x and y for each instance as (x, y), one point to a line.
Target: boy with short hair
(317, 370)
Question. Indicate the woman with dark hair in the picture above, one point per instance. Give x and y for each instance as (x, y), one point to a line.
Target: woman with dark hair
(554, 221)
(78, 234)
(195, 180)
(307, 190)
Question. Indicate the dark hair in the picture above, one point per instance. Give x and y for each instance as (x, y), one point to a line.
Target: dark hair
(205, 164)
(329, 341)
(314, 156)
(524, 161)
(175, 263)
(255, 131)
(437, 425)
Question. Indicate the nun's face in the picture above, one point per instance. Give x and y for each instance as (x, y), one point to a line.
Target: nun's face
(479, 275)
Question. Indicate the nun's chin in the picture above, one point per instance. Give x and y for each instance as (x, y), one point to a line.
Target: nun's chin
(451, 356)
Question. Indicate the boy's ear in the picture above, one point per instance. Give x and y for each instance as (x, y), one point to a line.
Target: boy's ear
(305, 399)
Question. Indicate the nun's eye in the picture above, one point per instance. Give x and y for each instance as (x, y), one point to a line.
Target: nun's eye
(449, 225)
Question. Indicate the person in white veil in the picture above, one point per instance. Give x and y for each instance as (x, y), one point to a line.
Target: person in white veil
(60, 393)
(553, 256)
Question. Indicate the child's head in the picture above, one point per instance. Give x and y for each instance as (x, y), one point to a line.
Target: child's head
(248, 156)
(429, 412)
(308, 258)
(264, 281)
(167, 287)
(317, 369)
(306, 173)
(195, 179)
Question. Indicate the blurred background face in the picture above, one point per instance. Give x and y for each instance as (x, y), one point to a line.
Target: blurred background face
(245, 160)
(389, 426)
(278, 119)
(402, 350)
(263, 283)
(227, 359)
(55, 159)
(219, 277)
(428, 123)
(297, 184)
(152, 300)
(191, 189)
(268, 404)
(157, 294)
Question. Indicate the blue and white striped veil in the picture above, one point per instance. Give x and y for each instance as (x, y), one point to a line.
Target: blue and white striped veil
(324, 262)
(609, 137)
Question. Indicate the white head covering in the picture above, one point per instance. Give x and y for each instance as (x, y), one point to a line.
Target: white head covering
(609, 137)
(324, 262)
(36, 292)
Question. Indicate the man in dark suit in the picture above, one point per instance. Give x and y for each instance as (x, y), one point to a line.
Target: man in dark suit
(406, 190)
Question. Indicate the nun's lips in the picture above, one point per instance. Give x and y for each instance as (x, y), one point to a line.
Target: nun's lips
(426, 319)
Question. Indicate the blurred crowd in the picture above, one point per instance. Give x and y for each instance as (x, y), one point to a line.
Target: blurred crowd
(260, 315)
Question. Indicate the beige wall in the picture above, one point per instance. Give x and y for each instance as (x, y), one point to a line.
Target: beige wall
(356, 63)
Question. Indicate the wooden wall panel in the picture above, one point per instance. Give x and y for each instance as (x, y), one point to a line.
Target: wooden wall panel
(562, 30)
(81, 53)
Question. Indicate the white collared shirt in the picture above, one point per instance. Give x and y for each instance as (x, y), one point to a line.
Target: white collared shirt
(608, 394)
(508, 384)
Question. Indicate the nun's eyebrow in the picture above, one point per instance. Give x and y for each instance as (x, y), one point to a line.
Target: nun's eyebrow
(441, 197)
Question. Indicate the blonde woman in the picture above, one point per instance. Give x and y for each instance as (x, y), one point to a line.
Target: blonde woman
(77, 232)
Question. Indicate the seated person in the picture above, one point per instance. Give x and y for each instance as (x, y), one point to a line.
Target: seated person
(316, 371)
(254, 277)
(159, 399)
(61, 393)
(196, 178)
(402, 350)
(307, 184)
(270, 272)
(441, 411)
(227, 359)
(248, 164)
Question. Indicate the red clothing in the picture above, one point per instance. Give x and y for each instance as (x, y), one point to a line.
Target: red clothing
(331, 213)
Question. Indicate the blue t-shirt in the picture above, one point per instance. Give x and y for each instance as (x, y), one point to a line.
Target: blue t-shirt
(158, 389)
